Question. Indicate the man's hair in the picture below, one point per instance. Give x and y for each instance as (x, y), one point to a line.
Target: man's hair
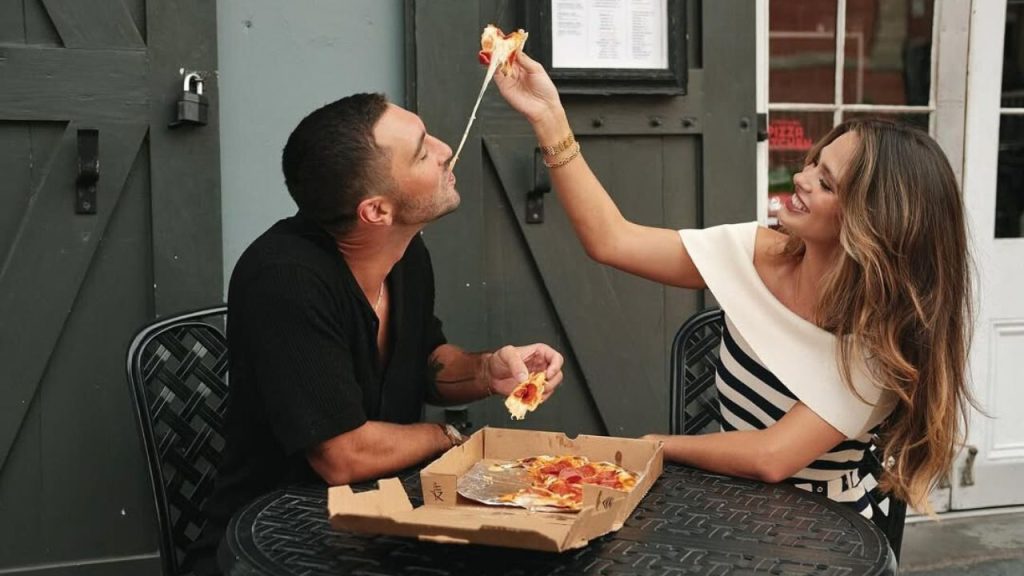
(332, 162)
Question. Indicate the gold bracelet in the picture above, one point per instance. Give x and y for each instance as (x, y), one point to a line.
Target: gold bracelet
(566, 160)
(560, 147)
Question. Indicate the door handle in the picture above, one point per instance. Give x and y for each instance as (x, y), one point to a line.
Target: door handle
(88, 171)
(541, 186)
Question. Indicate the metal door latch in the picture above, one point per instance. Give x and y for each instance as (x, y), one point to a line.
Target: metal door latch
(541, 186)
(88, 171)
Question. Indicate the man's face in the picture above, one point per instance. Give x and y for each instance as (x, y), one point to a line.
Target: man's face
(424, 187)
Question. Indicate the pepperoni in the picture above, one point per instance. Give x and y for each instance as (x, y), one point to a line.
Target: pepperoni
(527, 393)
(560, 487)
(570, 475)
(485, 58)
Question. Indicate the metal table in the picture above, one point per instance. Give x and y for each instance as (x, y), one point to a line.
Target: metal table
(691, 522)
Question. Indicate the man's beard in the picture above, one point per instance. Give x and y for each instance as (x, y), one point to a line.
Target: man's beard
(414, 211)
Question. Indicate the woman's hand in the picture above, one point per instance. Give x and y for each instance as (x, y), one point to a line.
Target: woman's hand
(530, 91)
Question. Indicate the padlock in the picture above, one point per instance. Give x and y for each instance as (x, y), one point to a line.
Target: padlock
(192, 105)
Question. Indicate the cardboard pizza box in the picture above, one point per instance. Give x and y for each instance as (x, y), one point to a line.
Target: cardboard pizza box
(449, 518)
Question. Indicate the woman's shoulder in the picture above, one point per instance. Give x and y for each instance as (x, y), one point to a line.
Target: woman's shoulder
(769, 240)
(769, 246)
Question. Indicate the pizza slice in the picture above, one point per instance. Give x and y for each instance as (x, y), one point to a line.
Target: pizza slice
(556, 482)
(499, 49)
(527, 396)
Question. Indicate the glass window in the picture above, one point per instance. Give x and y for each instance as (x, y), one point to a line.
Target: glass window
(802, 51)
(887, 62)
(919, 120)
(888, 52)
(1010, 173)
(790, 136)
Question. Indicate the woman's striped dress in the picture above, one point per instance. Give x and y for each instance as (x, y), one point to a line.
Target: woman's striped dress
(752, 398)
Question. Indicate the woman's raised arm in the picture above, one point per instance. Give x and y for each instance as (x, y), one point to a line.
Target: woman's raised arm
(657, 254)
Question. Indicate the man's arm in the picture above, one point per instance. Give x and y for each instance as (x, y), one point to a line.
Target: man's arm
(461, 377)
(376, 449)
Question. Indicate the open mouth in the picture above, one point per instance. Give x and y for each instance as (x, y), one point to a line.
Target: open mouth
(795, 204)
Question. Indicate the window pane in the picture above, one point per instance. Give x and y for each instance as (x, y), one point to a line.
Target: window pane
(888, 52)
(919, 120)
(1010, 174)
(1013, 60)
(802, 51)
(790, 136)
(1010, 178)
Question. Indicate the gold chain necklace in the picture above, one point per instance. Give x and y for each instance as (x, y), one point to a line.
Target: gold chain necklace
(380, 297)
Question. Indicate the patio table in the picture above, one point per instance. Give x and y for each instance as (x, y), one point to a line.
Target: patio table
(691, 522)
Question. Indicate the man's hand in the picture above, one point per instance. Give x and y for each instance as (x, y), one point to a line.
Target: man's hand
(511, 365)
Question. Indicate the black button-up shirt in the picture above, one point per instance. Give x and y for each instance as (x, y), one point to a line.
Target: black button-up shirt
(303, 357)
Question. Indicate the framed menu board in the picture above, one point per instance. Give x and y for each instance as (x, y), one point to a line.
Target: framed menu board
(610, 46)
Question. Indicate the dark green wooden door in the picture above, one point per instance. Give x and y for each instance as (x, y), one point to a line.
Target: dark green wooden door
(673, 161)
(74, 491)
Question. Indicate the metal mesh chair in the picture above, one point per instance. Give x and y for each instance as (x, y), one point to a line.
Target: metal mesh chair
(178, 374)
(694, 408)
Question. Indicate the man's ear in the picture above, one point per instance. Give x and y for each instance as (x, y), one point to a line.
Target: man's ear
(376, 211)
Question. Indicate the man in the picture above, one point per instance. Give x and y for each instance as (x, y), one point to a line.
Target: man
(331, 328)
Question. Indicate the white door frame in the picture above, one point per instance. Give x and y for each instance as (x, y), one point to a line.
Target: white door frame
(997, 354)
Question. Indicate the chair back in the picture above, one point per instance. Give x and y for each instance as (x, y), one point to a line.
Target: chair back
(178, 375)
(693, 398)
(694, 408)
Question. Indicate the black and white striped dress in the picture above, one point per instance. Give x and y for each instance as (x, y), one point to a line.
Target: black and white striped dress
(771, 358)
(752, 398)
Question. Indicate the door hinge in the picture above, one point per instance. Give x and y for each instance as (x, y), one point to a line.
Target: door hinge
(967, 472)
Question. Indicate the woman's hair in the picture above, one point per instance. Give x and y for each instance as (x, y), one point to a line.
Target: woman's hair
(899, 295)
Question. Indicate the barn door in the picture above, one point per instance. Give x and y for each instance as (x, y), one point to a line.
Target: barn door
(107, 219)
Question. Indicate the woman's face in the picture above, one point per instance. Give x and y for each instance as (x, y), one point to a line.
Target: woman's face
(812, 213)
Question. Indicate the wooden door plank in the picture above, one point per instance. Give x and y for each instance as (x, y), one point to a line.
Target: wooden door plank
(38, 287)
(188, 270)
(520, 311)
(15, 165)
(39, 28)
(46, 84)
(461, 295)
(24, 535)
(12, 23)
(114, 300)
(730, 118)
(602, 336)
(81, 25)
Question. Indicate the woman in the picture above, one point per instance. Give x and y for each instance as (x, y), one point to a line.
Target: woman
(856, 321)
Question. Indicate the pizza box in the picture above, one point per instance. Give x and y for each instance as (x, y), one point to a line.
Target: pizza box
(447, 517)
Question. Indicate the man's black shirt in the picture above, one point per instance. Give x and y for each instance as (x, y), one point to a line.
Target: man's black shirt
(302, 341)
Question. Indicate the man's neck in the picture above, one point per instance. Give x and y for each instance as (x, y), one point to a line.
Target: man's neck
(371, 254)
